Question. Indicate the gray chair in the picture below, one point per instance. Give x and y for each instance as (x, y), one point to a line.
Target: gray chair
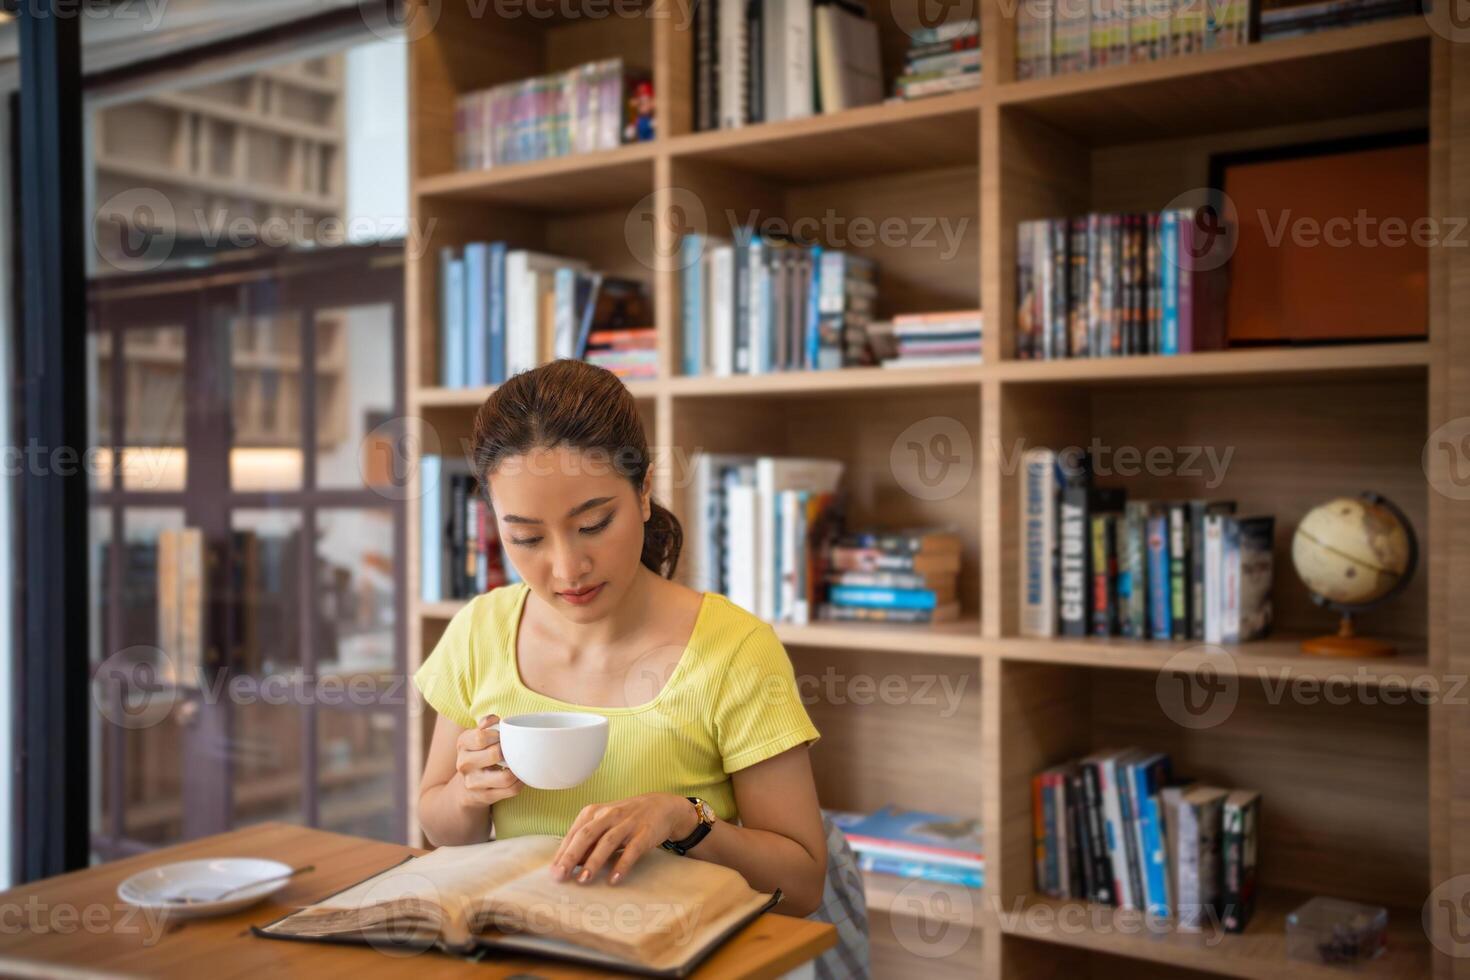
(845, 906)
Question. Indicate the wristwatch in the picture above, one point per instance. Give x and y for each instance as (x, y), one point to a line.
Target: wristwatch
(706, 821)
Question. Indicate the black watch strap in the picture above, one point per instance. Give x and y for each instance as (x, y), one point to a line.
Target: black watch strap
(682, 847)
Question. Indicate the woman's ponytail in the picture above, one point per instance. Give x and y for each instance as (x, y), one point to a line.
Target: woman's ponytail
(663, 539)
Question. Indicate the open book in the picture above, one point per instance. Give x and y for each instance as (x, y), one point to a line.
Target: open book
(662, 919)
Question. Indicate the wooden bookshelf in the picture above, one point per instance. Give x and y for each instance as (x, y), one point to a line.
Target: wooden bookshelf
(1359, 798)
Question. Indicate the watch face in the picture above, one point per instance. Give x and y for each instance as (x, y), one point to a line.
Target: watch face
(706, 813)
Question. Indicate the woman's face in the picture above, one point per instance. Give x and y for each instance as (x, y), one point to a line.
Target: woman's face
(573, 527)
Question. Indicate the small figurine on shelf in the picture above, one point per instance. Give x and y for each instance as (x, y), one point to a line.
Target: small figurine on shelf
(640, 106)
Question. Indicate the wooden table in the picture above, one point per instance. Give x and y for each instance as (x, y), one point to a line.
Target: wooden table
(74, 925)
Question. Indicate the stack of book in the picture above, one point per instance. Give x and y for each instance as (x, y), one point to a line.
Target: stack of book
(768, 60)
(461, 553)
(1082, 35)
(505, 310)
(759, 529)
(1291, 19)
(1117, 829)
(894, 576)
(941, 59)
(620, 338)
(911, 844)
(1102, 285)
(1094, 563)
(935, 339)
(758, 305)
(548, 116)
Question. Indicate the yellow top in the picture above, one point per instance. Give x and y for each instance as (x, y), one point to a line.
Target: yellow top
(730, 702)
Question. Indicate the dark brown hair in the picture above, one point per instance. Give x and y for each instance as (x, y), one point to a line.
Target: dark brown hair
(581, 406)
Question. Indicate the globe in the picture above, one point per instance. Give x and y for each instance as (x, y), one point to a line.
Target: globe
(1352, 553)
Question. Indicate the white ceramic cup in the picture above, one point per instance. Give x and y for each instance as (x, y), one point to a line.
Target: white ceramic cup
(553, 749)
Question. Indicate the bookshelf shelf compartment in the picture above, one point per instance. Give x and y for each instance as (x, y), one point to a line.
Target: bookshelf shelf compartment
(1274, 659)
(957, 639)
(576, 182)
(819, 383)
(1284, 365)
(887, 138)
(1259, 953)
(1357, 70)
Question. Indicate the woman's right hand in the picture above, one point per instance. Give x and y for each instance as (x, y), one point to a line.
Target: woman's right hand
(483, 776)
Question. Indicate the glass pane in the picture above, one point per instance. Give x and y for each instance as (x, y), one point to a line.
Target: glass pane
(263, 627)
(153, 456)
(265, 388)
(356, 593)
(357, 781)
(266, 751)
(99, 411)
(354, 393)
(141, 743)
(264, 605)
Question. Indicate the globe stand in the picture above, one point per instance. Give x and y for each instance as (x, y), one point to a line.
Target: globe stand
(1347, 643)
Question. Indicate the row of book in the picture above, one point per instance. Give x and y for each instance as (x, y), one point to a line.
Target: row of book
(940, 59)
(1060, 37)
(1103, 285)
(1278, 20)
(914, 844)
(572, 111)
(1116, 828)
(769, 60)
(759, 528)
(461, 554)
(1095, 563)
(927, 339)
(758, 304)
(505, 310)
(906, 575)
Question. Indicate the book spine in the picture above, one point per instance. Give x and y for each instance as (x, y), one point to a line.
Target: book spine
(925, 870)
(1104, 890)
(842, 613)
(883, 598)
(1077, 291)
(1075, 572)
(1081, 850)
(1087, 345)
(1160, 610)
(1238, 850)
(691, 251)
(1178, 572)
(1189, 873)
(1038, 585)
(1128, 806)
(743, 277)
(1056, 334)
(1169, 288)
(1101, 606)
(1116, 833)
(1230, 581)
(1155, 866)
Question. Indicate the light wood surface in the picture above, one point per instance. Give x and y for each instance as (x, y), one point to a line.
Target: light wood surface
(86, 930)
(1361, 800)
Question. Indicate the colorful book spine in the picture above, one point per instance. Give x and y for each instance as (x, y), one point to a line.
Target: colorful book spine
(1179, 546)
(1038, 529)
(925, 870)
(1161, 624)
(1241, 822)
(883, 598)
(1169, 287)
(691, 254)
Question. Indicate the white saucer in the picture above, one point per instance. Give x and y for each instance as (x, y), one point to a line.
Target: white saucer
(153, 888)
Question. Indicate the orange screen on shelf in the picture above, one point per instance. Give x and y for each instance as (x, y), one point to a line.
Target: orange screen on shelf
(1319, 257)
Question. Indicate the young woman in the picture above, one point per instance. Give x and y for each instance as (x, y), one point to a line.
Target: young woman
(707, 743)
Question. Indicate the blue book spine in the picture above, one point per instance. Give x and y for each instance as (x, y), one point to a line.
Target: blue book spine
(1160, 616)
(927, 870)
(430, 520)
(856, 595)
(496, 370)
(1169, 267)
(1151, 837)
(477, 313)
(457, 377)
(692, 259)
(813, 310)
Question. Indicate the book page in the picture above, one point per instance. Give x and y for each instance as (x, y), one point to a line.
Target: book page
(655, 914)
(449, 879)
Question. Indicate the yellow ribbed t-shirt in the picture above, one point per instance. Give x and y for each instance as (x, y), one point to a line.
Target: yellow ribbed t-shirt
(730, 702)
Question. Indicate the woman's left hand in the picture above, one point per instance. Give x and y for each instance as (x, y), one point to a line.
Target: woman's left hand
(635, 825)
